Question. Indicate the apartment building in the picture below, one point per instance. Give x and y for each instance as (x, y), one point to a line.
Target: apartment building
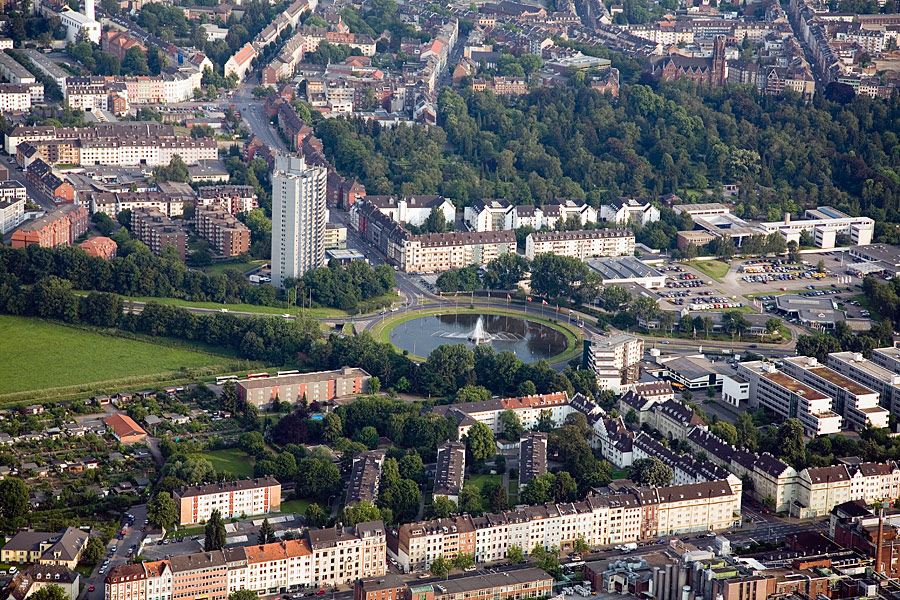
(450, 470)
(228, 235)
(437, 252)
(49, 183)
(233, 198)
(532, 457)
(527, 408)
(889, 358)
(820, 489)
(14, 97)
(857, 404)
(625, 211)
(63, 548)
(581, 244)
(365, 476)
(875, 377)
(233, 499)
(60, 227)
(139, 581)
(498, 214)
(790, 398)
(316, 387)
(158, 231)
(626, 515)
(614, 359)
(412, 210)
(112, 203)
(200, 575)
(12, 205)
(341, 555)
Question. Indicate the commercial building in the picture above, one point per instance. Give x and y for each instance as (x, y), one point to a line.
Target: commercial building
(825, 224)
(581, 244)
(626, 269)
(790, 398)
(12, 205)
(532, 457)
(625, 515)
(60, 227)
(158, 231)
(855, 366)
(387, 587)
(228, 235)
(299, 214)
(614, 359)
(450, 470)
(292, 387)
(365, 476)
(519, 584)
(857, 404)
(815, 311)
(233, 198)
(693, 371)
(436, 252)
(881, 258)
(232, 499)
(527, 408)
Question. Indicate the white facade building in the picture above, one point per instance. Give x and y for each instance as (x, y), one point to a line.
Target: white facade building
(299, 215)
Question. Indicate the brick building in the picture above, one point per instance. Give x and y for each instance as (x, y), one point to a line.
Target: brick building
(100, 246)
(228, 235)
(318, 386)
(157, 231)
(244, 497)
(60, 227)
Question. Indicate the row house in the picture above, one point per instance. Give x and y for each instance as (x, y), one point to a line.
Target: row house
(581, 244)
(627, 515)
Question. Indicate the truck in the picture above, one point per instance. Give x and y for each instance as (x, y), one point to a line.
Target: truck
(627, 547)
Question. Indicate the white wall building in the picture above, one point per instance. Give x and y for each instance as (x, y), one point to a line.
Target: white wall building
(612, 358)
(12, 205)
(299, 215)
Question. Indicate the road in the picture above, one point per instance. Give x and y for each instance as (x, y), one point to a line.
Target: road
(133, 537)
(253, 112)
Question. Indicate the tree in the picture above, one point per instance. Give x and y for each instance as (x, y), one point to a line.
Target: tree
(614, 297)
(515, 555)
(440, 567)
(266, 533)
(162, 511)
(820, 266)
(650, 472)
(644, 308)
(243, 595)
(443, 507)
(13, 500)
(734, 322)
(791, 445)
(93, 551)
(252, 443)
(315, 515)
(317, 478)
(554, 275)
(402, 498)
(581, 546)
(511, 424)
(368, 436)
(50, 592)
(565, 489)
(793, 250)
(539, 490)
(505, 271)
(747, 432)
(333, 428)
(412, 467)
(480, 442)
(361, 512)
(773, 325)
(214, 532)
(469, 499)
(463, 560)
(725, 431)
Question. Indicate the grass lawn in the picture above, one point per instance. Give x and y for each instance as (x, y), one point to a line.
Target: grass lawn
(241, 265)
(479, 481)
(297, 506)
(84, 570)
(512, 494)
(231, 460)
(712, 268)
(864, 303)
(250, 308)
(39, 355)
(185, 531)
(619, 474)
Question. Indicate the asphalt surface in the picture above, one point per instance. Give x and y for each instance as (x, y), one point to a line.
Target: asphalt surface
(133, 537)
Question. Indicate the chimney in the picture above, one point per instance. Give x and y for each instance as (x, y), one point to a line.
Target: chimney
(787, 218)
(89, 9)
(879, 540)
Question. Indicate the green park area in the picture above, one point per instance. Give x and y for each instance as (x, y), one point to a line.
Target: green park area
(231, 461)
(711, 268)
(42, 358)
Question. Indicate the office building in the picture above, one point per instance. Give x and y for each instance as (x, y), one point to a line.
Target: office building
(614, 360)
(889, 358)
(196, 503)
(789, 398)
(875, 377)
(857, 404)
(299, 215)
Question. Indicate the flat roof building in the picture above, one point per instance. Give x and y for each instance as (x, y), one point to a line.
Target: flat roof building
(889, 358)
(875, 377)
(315, 387)
(195, 503)
(626, 269)
(815, 310)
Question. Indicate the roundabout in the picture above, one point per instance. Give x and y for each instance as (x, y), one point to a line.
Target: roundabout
(531, 338)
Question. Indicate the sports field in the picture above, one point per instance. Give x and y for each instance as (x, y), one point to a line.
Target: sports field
(39, 355)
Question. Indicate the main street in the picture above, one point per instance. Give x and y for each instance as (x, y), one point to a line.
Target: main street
(253, 113)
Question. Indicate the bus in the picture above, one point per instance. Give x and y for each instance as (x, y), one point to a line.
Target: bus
(677, 385)
(223, 378)
(295, 372)
(262, 375)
